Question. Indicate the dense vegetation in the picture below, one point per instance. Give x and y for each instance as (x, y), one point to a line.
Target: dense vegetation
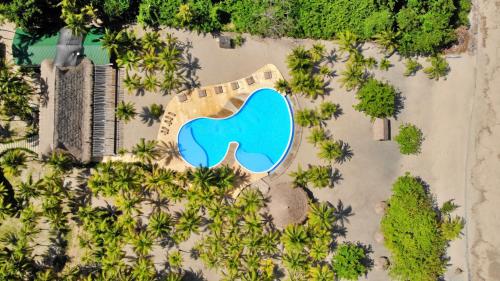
(416, 232)
(414, 26)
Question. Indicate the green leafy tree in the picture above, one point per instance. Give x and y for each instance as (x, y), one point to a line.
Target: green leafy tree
(411, 227)
(348, 261)
(409, 139)
(321, 273)
(376, 99)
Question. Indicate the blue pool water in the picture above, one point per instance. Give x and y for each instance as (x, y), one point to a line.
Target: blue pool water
(263, 129)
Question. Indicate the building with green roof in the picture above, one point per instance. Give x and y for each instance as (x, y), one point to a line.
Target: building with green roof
(29, 50)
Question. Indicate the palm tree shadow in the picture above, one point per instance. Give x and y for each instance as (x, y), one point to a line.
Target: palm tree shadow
(189, 68)
(398, 104)
(191, 275)
(367, 261)
(56, 257)
(342, 213)
(168, 151)
(332, 57)
(347, 153)
(147, 116)
(335, 177)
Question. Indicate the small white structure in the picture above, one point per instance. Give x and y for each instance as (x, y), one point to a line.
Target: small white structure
(381, 129)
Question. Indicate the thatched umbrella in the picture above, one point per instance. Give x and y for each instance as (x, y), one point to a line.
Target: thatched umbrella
(380, 207)
(287, 205)
(381, 263)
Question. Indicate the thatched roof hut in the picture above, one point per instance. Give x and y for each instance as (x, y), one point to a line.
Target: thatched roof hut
(66, 119)
(287, 205)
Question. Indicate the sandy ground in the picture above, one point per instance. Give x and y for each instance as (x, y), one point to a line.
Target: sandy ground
(483, 157)
(440, 108)
(460, 156)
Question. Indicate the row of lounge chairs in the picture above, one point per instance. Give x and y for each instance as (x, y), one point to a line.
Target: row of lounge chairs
(219, 89)
(167, 118)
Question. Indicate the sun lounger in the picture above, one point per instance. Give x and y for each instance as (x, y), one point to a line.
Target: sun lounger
(250, 80)
(182, 97)
(218, 89)
(235, 85)
(171, 113)
(268, 75)
(202, 93)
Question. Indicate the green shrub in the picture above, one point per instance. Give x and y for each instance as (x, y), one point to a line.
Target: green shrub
(409, 139)
(348, 261)
(378, 22)
(376, 99)
(413, 232)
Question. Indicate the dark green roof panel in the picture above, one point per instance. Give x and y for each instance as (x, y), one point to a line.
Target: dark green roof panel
(28, 50)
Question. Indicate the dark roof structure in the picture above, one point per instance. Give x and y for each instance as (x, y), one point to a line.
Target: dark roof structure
(79, 113)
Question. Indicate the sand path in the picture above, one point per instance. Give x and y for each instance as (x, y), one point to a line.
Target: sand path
(483, 181)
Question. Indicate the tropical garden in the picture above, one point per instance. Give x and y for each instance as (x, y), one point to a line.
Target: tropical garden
(130, 221)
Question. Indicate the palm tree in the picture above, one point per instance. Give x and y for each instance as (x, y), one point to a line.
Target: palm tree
(125, 111)
(150, 83)
(150, 61)
(317, 136)
(319, 248)
(294, 238)
(59, 161)
(143, 269)
(439, 67)
(188, 222)
(282, 86)
(109, 42)
(352, 76)
(250, 200)
(202, 177)
(300, 177)
(13, 161)
(321, 215)
(145, 151)
(299, 60)
(330, 151)
(388, 40)
(319, 176)
(348, 41)
(317, 52)
(321, 273)
(169, 59)
(171, 82)
(306, 118)
(127, 203)
(175, 259)
(160, 224)
(385, 64)
(143, 243)
(132, 83)
(370, 62)
(151, 40)
(328, 110)
(29, 189)
(412, 66)
(295, 262)
(129, 60)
